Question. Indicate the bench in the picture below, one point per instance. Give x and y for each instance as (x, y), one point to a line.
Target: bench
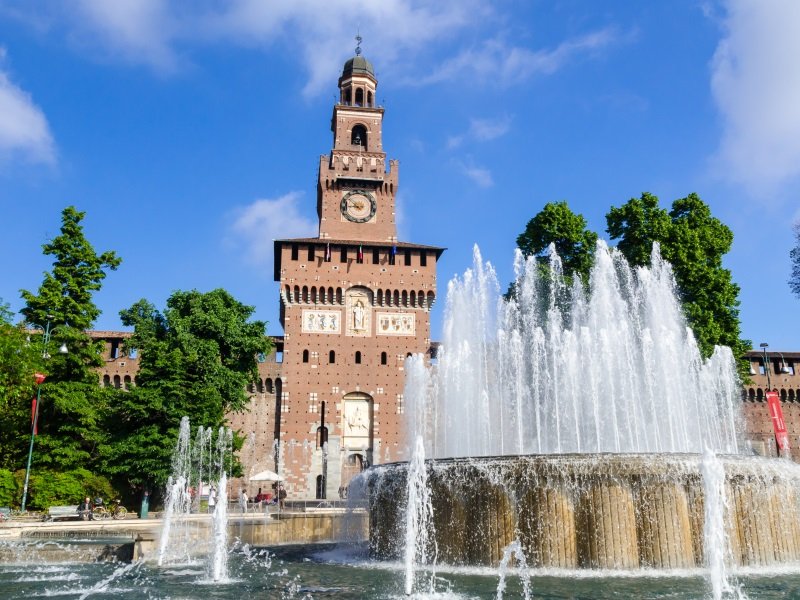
(62, 512)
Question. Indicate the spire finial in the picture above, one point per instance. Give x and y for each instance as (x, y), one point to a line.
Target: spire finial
(358, 43)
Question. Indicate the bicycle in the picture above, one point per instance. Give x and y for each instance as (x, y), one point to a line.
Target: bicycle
(115, 512)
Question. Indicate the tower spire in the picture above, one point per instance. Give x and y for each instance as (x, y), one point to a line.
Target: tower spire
(358, 43)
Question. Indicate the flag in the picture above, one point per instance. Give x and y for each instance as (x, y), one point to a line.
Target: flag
(328, 252)
(34, 424)
(360, 253)
(393, 253)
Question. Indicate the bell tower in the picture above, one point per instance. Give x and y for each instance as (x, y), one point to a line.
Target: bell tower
(356, 188)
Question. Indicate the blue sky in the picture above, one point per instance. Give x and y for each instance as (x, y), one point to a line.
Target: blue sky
(190, 133)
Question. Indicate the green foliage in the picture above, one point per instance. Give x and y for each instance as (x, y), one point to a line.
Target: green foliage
(195, 360)
(58, 488)
(65, 300)
(794, 255)
(694, 242)
(8, 488)
(556, 224)
(19, 360)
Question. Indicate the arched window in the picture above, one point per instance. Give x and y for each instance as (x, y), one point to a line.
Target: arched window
(384, 358)
(117, 382)
(305, 356)
(431, 299)
(413, 299)
(127, 382)
(791, 395)
(348, 96)
(358, 357)
(783, 395)
(332, 357)
(260, 385)
(359, 97)
(359, 136)
(269, 387)
(251, 387)
(760, 395)
(305, 294)
(397, 297)
(314, 295)
(369, 98)
(751, 395)
(405, 299)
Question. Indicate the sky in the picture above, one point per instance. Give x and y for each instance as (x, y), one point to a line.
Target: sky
(190, 133)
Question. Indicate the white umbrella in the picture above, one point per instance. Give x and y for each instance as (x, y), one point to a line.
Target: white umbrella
(266, 476)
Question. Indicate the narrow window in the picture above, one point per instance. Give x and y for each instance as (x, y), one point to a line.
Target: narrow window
(359, 97)
(295, 252)
(305, 356)
(358, 357)
(423, 259)
(384, 358)
(114, 348)
(106, 380)
(376, 256)
(117, 381)
(311, 253)
(344, 255)
(332, 357)
(407, 258)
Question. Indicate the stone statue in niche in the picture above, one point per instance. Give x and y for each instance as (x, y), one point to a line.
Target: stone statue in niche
(359, 311)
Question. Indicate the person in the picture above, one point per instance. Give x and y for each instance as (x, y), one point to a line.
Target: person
(85, 509)
(282, 497)
(259, 498)
(212, 499)
(243, 500)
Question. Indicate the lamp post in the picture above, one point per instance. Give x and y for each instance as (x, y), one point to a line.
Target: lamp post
(764, 347)
(39, 381)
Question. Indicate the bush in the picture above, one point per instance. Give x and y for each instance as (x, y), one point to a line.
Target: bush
(48, 488)
(8, 488)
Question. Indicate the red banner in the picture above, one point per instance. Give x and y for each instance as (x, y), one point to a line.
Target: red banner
(34, 424)
(778, 424)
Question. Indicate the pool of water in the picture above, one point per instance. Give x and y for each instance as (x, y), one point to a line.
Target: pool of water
(328, 573)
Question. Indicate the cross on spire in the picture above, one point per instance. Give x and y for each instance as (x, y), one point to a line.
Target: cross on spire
(358, 44)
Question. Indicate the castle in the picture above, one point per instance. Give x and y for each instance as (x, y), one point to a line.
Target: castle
(354, 303)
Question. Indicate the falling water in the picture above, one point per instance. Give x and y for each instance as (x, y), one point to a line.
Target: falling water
(419, 509)
(174, 545)
(192, 466)
(561, 369)
(514, 550)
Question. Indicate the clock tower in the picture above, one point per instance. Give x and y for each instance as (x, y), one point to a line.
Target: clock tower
(355, 302)
(356, 190)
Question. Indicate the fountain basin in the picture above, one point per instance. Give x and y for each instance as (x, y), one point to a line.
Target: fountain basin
(599, 511)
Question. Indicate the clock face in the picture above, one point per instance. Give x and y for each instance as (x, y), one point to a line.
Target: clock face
(358, 206)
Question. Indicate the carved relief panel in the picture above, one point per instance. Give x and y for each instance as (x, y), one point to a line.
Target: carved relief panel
(395, 324)
(322, 321)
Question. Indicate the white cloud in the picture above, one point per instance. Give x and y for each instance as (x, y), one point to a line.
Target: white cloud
(509, 65)
(256, 225)
(24, 130)
(480, 175)
(482, 130)
(756, 86)
(140, 31)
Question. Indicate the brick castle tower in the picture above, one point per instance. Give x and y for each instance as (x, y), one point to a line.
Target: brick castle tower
(355, 302)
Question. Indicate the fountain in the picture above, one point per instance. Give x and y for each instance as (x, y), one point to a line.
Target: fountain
(192, 466)
(584, 430)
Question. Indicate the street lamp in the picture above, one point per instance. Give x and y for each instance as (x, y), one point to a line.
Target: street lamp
(764, 347)
(39, 381)
(784, 369)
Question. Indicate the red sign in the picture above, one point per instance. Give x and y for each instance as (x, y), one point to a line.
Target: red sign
(778, 424)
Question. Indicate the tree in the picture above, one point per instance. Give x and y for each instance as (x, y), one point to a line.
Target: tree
(19, 360)
(694, 242)
(72, 403)
(558, 225)
(65, 299)
(196, 360)
(794, 255)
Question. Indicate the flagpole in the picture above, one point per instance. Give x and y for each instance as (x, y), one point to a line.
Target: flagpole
(39, 381)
